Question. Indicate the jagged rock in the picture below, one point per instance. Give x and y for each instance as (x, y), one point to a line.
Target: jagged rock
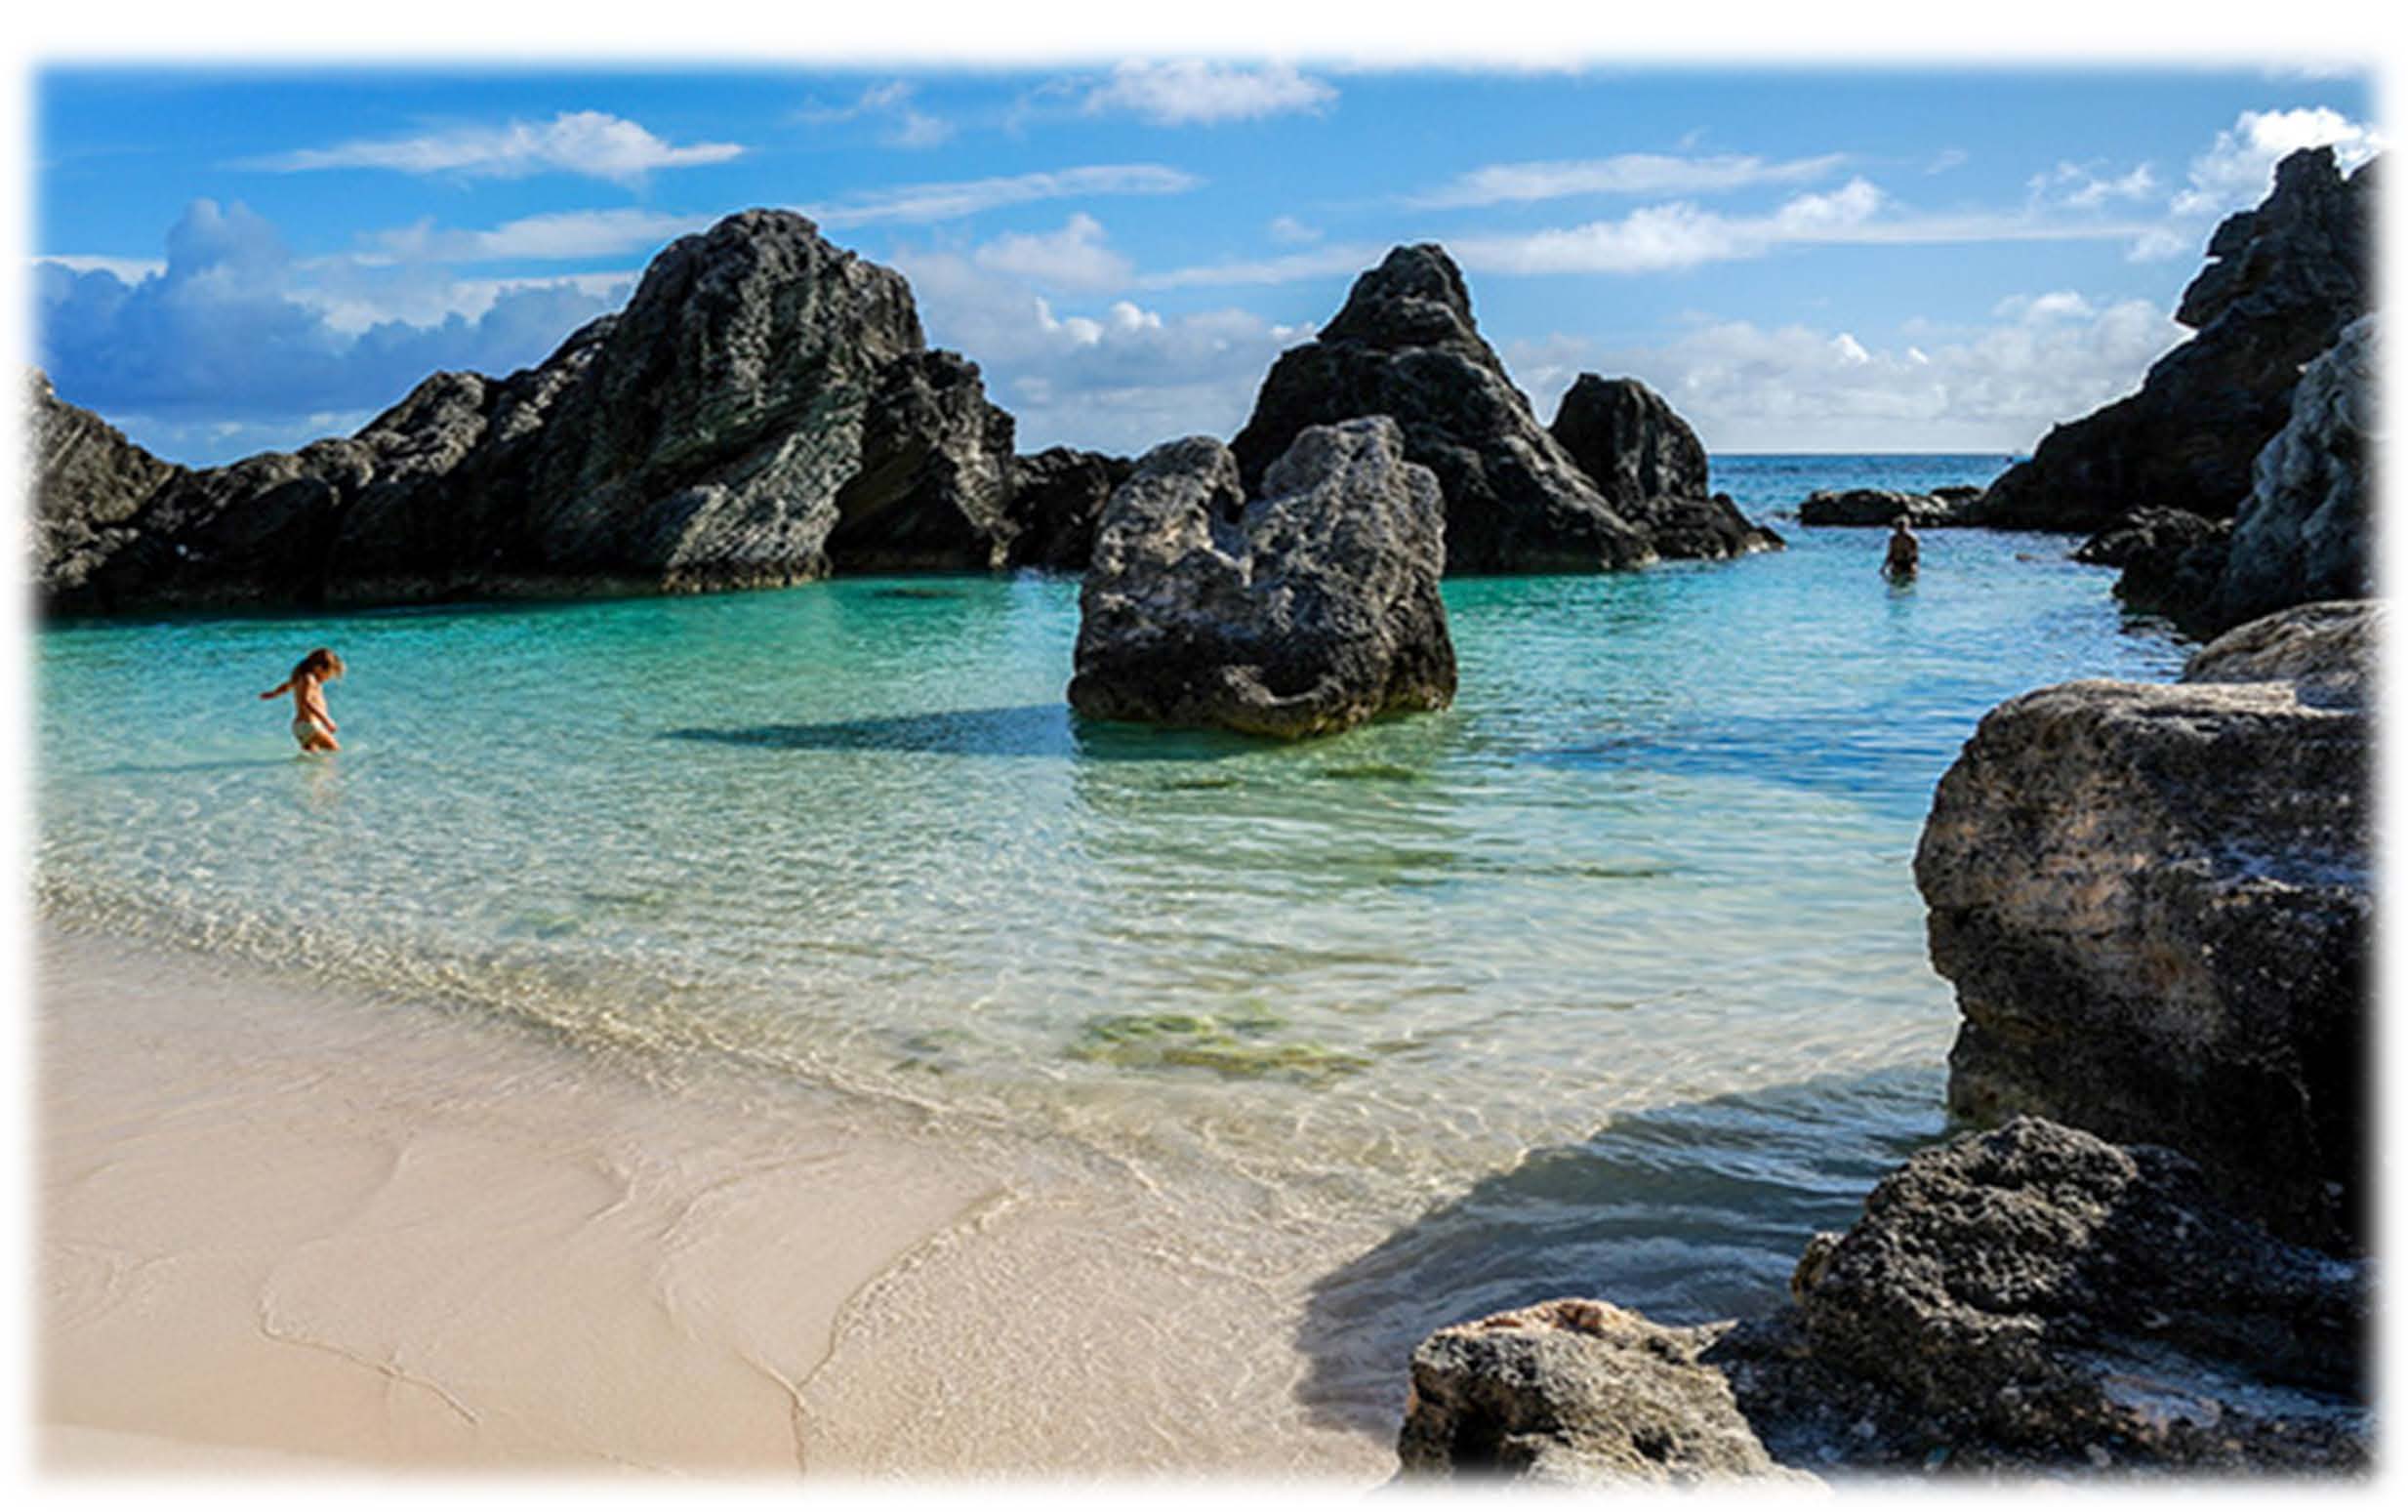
(89, 483)
(764, 411)
(2155, 903)
(1574, 1392)
(1312, 608)
(2307, 529)
(1881, 507)
(2282, 281)
(1057, 497)
(2032, 1299)
(1406, 346)
(1651, 468)
(2149, 534)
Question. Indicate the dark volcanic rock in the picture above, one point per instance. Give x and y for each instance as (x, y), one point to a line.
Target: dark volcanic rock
(1651, 468)
(2155, 903)
(2149, 533)
(88, 485)
(1310, 609)
(1881, 507)
(1057, 497)
(2282, 281)
(764, 411)
(2031, 1299)
(1406, 346)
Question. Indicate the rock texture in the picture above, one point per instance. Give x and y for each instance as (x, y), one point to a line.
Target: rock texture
(2281, 282)
(1651, 468)
(1057, 497)
(2030, 1299)
(89, 483)
(2149, 536)
(1880, 506)
(1406, 346)
(764, 411)
(2155, 903)
(1310, 609)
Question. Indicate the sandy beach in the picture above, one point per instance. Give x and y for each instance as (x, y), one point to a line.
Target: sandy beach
(281, 1229)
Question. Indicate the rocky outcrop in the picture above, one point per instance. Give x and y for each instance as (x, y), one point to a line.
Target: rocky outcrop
(764, 411)
(2030, 1299)
(1309, 609)
(89, 483)
(1406, 346)
(1057, 497)
(2281, 282)
(1651, 468)
(2147, 534)
(1881, 507)
(2155, 903)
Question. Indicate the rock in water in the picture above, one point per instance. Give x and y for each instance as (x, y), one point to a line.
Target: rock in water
(1651, 468)
(1880, 507)
(1057, 496)
(2305, 532)
(2144, 535)
(1406, 346)
(88, 484)
(1310, 609)
(764, 411)
(2282, 281)
(2155, 903)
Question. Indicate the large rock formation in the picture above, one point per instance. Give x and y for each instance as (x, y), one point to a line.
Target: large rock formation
(1057, 497)
(1651, 468)
(764, 411)
(89, 483)
(1406, 346)
(2282, 281)
(2155, 904)
(2029, 1299)
(1312, 608)
(1881, 507)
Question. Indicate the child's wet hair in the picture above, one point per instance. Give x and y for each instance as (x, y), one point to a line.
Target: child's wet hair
(319, 663)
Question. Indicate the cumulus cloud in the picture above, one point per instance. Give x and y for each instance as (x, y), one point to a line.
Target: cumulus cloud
(1630, 173)
(229, 333)
(1191, 92)
(1657, 237)
(588, 143)
(1118, 378)
(1071, 257)
(1977, 387)
(2237, 171)
(560, 235)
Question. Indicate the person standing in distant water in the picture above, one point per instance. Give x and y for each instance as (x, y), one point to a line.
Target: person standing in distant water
(1905, 552)
(312, 725)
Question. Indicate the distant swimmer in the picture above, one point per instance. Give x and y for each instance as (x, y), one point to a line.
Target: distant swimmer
(312, 725)
(1905, 552)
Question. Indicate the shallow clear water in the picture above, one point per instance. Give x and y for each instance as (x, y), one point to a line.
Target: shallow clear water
(1621, 954)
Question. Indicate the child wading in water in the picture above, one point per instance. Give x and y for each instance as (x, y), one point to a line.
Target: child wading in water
(312, 725)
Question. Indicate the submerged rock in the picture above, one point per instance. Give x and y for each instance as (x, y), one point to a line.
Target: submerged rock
(1651, 468)
(1309, 609)
(764, 411)
(1406, 346)
(2030, 1299)
(2281, 282)
(1881, 507)
(2155, 903)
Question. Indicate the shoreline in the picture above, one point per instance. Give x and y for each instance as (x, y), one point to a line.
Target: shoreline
(280, 1227)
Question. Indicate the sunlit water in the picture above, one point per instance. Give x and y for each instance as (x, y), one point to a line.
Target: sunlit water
(1620, 957)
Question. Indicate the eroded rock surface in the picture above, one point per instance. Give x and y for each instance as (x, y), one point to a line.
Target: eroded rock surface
(2155, 903)
(2281, 282)
(1881, 507)
(1058, 495)
(1651, 468)
(1309, 609)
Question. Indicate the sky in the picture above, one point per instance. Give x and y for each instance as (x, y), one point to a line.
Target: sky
(230, 259)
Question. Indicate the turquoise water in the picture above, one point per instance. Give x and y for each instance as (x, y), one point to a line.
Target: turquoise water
(1619, 956)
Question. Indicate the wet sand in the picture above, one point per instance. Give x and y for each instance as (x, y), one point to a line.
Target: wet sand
(280, 1229)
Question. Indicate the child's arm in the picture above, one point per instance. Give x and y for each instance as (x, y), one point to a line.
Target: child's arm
(279, 689)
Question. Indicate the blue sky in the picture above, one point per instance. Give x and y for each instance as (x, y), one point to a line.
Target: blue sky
(1901, 261)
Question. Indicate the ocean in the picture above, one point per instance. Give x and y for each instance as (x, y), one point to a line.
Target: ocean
(1609, 979)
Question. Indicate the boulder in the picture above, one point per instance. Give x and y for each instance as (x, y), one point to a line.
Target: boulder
(90, 483)
(1880, 506)
(1406, 346)
(1651, 468)
(2149, 534)
(1057, 496)
(2281, 282)
(2032, 1299)
(1309, 609)
(764, 411)
(2155, 903)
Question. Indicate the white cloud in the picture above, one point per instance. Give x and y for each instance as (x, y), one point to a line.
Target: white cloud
(1630, 173)
(924, 203)
(1189, 92)
(1982, 388)
(1291, 231)
(2237, 171)
(909, 126)
(590, 142)
(560, 235)
(125, 270)
(1657, 237)
(2082, 187)
(1071, 257)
